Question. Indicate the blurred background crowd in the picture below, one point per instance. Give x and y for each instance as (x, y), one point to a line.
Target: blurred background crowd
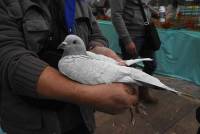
(179, 13)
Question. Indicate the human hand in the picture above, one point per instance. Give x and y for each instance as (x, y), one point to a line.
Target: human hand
(131, 49)
(113, 98)
(109, 53)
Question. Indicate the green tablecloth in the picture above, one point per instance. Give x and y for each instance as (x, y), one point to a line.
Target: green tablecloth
(178, 56)
(1, 132)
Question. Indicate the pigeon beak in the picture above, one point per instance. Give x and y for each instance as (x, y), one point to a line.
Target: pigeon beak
(62, 45)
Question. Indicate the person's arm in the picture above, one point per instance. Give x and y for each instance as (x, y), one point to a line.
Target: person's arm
(26, 75)
(19, 67)
(111, 98)
(117, 7)
(109, 53)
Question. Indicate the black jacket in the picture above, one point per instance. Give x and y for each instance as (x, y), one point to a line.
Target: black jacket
(26, 31)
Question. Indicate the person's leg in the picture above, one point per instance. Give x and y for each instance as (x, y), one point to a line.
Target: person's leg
(149, 68)
(198, 118)
(198, 132)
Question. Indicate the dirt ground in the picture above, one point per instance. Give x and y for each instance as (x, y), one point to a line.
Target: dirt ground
(172, 115)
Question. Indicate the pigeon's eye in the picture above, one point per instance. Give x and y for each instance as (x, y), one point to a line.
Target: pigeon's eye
(74, 42)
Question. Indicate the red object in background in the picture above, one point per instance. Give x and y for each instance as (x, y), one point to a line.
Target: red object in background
(106, 17)
(103, 17)
(167, 24)
(190, 24)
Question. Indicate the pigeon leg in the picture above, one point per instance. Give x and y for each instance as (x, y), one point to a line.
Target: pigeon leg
(132, 116)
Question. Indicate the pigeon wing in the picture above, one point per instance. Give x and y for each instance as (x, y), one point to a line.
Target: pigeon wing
(87, 70)
(101, 57)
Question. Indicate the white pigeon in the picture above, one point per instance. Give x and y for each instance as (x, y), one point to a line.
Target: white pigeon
(89, 68)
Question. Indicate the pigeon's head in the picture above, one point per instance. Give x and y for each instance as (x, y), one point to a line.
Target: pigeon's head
(73, 45)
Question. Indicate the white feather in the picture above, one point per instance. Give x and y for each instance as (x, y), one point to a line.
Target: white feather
(97, 69)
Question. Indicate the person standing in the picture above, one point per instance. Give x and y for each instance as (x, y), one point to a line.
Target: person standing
(129, 23)
(34, 97)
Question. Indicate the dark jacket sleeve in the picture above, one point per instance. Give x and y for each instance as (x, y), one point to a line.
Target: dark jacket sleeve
(117, 7)
(19, 67)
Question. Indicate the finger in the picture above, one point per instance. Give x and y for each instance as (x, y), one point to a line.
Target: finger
(122, 63)
(135, 91)
(132, 90)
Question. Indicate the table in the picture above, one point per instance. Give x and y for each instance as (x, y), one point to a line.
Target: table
(1, 132)
(179, 53)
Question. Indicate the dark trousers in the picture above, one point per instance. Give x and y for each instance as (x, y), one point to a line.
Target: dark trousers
(198, 118)
(149, 66)
(82, 129)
